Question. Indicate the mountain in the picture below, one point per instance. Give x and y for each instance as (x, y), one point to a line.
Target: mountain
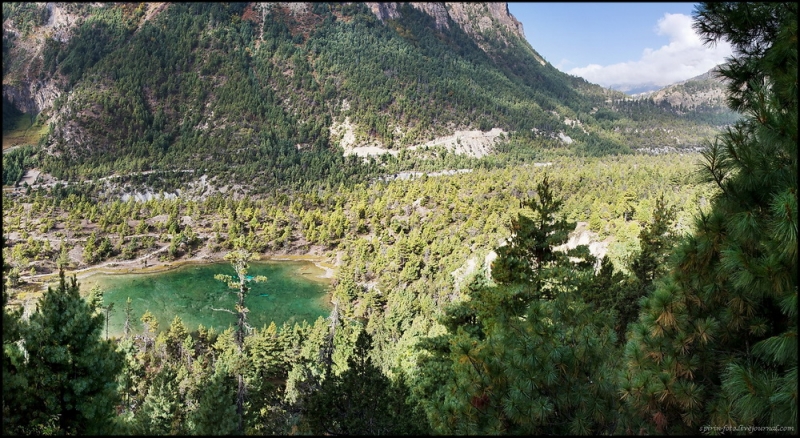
(270, 94)
(702, 97)
(705, 91)
(635, 90)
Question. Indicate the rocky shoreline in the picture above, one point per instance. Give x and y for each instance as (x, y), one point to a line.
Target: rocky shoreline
(32, 287)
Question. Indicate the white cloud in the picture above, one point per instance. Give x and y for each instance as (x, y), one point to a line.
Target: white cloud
(684, 57)
(562, 65)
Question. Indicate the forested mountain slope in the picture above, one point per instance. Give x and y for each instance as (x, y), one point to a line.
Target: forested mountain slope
(462, 300)
(273, 94)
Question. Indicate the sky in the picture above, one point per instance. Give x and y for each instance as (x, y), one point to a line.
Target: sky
(630, 47)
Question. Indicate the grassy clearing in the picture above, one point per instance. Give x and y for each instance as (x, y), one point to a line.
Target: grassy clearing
(26, 130)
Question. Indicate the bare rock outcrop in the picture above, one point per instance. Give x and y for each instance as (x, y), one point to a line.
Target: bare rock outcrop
(438, 11)
(470, 143)
(31, 97)
(26, 88)
(292, 7)
(481, 21)
(487, 17)
(384, 11)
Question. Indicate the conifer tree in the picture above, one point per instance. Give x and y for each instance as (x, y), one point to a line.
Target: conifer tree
(716, 342)
(130, 378)
(544, 370)
(150, 325)
(530, 255)
(267, 373)
(128, 313)
(608, 290)
(70, 372)
(215, 413)
(362, 401)
(175, 337)
(604, 290)
(656, 239)
(612, 290)
(13, 380)
(162, 411)
(239, 259)
(527, 356)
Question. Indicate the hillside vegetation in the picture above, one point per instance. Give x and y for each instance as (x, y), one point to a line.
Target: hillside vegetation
(547, 287)
(258, 94)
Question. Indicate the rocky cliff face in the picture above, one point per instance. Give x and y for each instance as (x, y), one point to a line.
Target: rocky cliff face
(481, 21)
(31, 96)
(436, 10)
(384, 11)
(29, 88)
(485, 19)
(32, 91)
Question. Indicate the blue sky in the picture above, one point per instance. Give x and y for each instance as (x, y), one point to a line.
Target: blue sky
(625, 46)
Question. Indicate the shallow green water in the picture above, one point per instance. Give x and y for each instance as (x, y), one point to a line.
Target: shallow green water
(293, 292)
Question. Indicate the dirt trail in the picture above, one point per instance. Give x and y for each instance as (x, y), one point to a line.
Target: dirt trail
(116, 265)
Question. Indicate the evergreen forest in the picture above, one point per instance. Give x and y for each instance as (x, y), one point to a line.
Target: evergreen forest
(256, 97)
(462, 301)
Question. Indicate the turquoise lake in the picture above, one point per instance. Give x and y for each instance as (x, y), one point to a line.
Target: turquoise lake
(294, 291)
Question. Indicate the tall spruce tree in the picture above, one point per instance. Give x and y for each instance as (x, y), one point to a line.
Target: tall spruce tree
(543, 372)
(527, 356)
(530, 255)
(239, 259)
(716, 342)
(70, 371)
(162, 411)
(657, 240)
(611, 290)
(266, 383)
(608, 290)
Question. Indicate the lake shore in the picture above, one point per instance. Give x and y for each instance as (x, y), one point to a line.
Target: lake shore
(131, 267)
(150, 263)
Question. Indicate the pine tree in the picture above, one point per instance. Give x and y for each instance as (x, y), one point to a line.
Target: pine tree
(13, 358)
(128, 313)
(215, 413)
(543, 371)
(150, 325)
(362, 401)
(239, 259)
(657, 239)
(175, 337)
(530, 255)
(716, 342)
(70, 372)
(131, 376)
(267, 373)
(527, 356)
(611, 290)
(162, 411)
